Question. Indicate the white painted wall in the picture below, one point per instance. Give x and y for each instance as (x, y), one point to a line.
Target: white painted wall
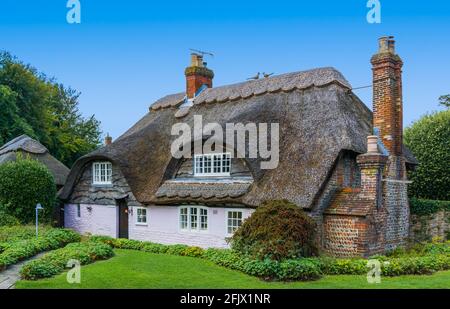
(162, 224)
(100, 220)
(163, 227)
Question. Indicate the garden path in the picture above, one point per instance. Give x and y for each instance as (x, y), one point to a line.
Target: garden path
(11, 275)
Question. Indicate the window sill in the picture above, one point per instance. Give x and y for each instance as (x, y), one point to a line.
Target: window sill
(141, 224)
(102, 185)
(193, 231)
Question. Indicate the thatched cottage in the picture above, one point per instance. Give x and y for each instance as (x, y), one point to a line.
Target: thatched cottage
(354, 189)
(27, 147)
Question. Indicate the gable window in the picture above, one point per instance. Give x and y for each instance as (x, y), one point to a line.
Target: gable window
(141, 216)
(234, 221)
(102, 173)
(78, 211)
(193, 218)
(212, 164)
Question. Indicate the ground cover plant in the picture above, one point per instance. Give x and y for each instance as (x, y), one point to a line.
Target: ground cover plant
(56, 261)
(17, 250)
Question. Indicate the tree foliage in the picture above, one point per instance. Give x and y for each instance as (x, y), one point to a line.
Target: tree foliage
(444, 100)
(429, 140)
(32, 104)
(23, 184)
(277, 230)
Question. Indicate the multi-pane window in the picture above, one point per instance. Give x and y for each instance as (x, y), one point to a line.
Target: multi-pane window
(203, 219)
(193, 218)
(234, 221)
(141, 216)
(184, 218)
(102, 173)
(213, 164)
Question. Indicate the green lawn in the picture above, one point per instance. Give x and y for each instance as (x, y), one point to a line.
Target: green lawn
(136, 269)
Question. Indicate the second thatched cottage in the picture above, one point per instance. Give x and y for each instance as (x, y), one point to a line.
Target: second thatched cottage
(354, 189)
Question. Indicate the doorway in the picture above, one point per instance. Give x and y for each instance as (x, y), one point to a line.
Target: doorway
(123, 218)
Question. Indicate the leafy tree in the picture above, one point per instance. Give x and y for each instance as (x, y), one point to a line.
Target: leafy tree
(23, 184)
(429, 140)
(11, 124)
(35, 105)
(445, 100)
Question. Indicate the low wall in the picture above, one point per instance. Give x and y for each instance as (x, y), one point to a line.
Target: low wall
(427, 226)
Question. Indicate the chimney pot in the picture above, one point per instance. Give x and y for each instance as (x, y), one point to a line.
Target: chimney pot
(372, 144)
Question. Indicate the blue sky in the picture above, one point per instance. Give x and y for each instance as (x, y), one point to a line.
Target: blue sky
(126, 54)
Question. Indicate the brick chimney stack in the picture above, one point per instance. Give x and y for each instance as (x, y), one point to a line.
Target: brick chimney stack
(197, 75)
(108, 140)
(387, 96)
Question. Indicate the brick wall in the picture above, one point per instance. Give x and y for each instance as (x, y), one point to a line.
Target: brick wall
(344, 236)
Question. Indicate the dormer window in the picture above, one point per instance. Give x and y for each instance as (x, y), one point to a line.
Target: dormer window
(102, 173)
(212, 164)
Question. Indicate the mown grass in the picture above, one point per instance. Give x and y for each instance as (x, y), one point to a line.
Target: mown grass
(136, 269)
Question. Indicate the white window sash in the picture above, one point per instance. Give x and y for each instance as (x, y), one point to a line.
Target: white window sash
(193, 219)
(141, 213)
(102, 173)
(236, 218)
(204, 164)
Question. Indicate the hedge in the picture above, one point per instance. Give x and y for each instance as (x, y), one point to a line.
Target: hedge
(55, 262)
(423, 259)
(423, 207)
(14, 252)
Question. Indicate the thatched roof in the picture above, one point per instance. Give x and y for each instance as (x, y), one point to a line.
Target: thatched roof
(27, 146)
(318, 115)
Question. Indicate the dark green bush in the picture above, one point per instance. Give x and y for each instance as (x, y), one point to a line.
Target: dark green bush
(6, 219)
(422, 207)
(22, 249)
(55, 262)
(23, 184)
(277, 230)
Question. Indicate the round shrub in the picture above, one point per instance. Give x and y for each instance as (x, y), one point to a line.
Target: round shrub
(23, 184)
(277, 230)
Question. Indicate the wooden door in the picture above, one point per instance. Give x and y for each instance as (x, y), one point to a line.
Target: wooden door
(123, 218)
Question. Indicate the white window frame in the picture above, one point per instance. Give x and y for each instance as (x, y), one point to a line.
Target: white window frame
(96, 179)
(199, 221)
(227, 220)
(200, 160)
(137, 216)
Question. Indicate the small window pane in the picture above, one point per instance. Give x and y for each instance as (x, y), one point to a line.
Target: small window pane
(142, 215)
(234, 221)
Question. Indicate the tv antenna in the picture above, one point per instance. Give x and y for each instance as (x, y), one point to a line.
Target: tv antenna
(201, 52)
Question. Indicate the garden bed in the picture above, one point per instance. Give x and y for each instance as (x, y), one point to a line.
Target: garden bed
(19, 246)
